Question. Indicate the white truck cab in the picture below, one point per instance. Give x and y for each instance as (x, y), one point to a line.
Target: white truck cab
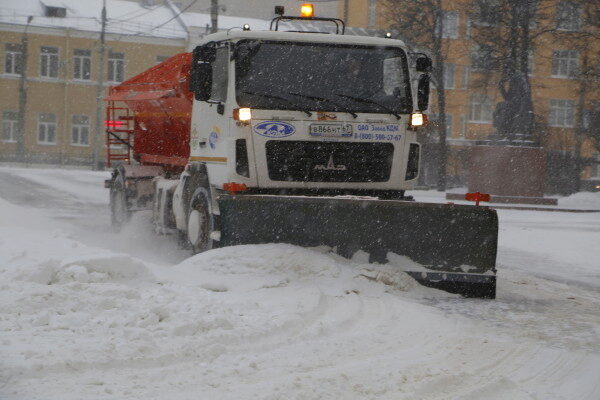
(304, 111)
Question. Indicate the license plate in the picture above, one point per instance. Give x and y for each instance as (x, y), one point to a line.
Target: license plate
(331, 130)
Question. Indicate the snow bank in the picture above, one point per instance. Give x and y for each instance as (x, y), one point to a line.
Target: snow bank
(587, 200)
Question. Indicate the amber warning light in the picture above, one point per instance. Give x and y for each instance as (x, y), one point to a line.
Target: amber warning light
(477, 197)
(307, 10)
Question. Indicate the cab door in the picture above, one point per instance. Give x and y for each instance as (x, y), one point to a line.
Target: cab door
(210, 122)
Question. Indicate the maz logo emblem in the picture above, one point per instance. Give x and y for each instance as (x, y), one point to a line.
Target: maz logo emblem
(330, 166)
(274, 129)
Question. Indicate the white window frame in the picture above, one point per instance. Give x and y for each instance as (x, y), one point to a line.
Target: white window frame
(561, 113)
(596, 166)
(49, 60)
(449, 76)
(11, 125)
(530, 62)
(77, 128)
(79, 60)
(116, 61)
(572, 22)
(13, 57)
(449, 121)
(565, 64)
(465, 76)
(450, 31)
(45, 127)
(372, 14)
(480, 109)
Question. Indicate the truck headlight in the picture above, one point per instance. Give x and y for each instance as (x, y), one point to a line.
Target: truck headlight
(417, 119)
(242, 114)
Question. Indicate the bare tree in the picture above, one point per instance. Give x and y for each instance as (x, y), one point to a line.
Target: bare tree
(421, 23)
(504, 33)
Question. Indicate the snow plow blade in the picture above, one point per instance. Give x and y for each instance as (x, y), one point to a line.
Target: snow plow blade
(455, 245)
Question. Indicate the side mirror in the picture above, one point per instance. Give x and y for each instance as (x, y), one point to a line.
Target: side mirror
(424, 64)
(201, 72)
(423, 92)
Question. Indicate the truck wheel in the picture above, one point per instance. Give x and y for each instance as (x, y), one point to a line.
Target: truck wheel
(199, 221)
(118, 203)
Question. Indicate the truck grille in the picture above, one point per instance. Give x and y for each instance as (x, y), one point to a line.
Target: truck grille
(307, 161)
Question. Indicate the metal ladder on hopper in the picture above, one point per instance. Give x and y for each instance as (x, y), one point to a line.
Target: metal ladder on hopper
(119, 134)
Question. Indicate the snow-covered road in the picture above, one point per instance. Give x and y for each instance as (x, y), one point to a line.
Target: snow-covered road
(89, 314)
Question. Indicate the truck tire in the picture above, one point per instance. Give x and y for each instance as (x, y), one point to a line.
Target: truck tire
(200, 221)
(119, 211)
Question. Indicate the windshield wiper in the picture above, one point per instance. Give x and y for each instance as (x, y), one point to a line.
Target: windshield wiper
(272, 96)
(335, 103)
(370, 101)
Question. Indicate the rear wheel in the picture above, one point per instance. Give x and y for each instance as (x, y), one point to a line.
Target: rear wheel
(199, 222)
(119, 211)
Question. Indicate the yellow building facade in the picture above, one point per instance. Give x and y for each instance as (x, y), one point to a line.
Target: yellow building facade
(62, 79)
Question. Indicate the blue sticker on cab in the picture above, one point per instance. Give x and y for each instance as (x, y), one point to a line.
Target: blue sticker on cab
(274, 129)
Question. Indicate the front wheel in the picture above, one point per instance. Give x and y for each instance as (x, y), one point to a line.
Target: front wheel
(199, 222)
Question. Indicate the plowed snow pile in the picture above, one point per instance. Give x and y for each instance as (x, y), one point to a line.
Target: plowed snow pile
(258, 322)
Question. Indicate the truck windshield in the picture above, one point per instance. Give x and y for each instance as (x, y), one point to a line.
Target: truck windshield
(322, 77)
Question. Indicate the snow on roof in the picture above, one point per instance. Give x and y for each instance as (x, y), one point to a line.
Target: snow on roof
(132, 18)
(124, 17)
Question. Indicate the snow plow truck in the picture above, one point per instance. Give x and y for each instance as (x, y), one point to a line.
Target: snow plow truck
(293, 137)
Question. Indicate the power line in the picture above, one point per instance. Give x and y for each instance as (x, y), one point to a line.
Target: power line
(177, 15)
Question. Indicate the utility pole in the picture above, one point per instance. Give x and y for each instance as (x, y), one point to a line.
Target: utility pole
(214, 15)
(98, 131)
(23, 94)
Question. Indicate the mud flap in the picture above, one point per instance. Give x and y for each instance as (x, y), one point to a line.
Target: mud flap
(455, 245)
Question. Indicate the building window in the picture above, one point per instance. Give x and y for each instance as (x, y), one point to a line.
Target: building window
(480, 109)
(116, 67)
(448, 125)
(160, 59)
(596, 166)
(565, 63)
(80, 130)
(449, 70)
(487, 12)
(13, 59)
(530, 62)
(372, 13)
(82, 64)
(465, 77)
(53, 11)
(483, 58)
(10, 123)
(449, 25)
(49, 62)
(47, 128)
(568, 16)
(562, 113)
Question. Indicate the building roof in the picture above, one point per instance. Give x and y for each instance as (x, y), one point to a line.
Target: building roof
(134, 19)
(124, 17)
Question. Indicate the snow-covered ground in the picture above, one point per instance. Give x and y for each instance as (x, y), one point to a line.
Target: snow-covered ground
(89, 314)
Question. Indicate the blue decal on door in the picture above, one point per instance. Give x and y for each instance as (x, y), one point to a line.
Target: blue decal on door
(274, 129)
